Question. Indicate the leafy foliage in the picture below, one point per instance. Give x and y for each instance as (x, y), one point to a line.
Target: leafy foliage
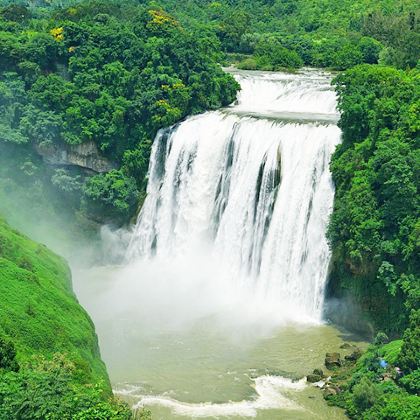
(50, 389)
(374, 228)
(8, 356)
(337, 34)
(369, 391)
(410, 352)
(113, 196)
(50, 367)
(365, 394)
(97, 72)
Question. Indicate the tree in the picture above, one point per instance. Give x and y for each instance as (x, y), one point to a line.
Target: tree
(110, 197)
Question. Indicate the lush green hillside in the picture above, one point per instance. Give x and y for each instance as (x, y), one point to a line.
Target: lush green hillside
(384, 383)
(42, 314)
(50, 366)
(375, 238)
(374, 230)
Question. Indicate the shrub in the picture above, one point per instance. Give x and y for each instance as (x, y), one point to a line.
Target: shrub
(411, 382)
(47, 389)
(381, 338)
(248, 64)
(8, 356)
(410, 351)
(365, 394)
(110, 197)
(395, 407)
(272, 55)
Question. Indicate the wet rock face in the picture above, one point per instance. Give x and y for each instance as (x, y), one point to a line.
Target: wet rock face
(316, 376)
(329, 392)
(352, 357)
(312, 378)
(332, 360)
(318, 372)
(85, 155)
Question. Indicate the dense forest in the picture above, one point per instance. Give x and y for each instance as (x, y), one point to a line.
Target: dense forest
(375, 232)
(85, 87)
(288, 34)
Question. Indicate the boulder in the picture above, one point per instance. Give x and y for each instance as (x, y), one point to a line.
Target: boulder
(332, 360)
(329, 392)
(318, 372)
(313, 378)
(346, 346)
(352, 357)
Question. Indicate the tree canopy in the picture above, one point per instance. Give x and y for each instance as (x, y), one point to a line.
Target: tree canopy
(100, 73)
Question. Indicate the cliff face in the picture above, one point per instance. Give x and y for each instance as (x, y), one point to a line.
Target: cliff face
(85, 155)
(39, 313)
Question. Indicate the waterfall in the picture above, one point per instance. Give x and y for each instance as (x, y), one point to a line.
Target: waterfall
(249, 186)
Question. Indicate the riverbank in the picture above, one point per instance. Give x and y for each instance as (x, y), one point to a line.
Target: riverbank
(380, 383)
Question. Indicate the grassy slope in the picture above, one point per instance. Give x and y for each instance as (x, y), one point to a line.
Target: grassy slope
(39, 311)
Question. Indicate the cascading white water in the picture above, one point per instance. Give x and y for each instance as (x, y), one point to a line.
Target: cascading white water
(250, 188)
(308, 92)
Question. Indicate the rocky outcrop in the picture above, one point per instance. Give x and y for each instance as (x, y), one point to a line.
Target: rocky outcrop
(312, 378)
(318, 372)
(332, 360)
(354, 355)
(330, 391)
(346, 346)
(316, 376)
(85, 155)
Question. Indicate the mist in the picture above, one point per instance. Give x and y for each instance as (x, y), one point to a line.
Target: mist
(167, 294)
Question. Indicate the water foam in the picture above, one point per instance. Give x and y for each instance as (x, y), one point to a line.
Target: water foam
(270, 395)
(306, 92)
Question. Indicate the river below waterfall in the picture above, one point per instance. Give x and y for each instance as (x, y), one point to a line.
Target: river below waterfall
(214, 367)
(215, 309)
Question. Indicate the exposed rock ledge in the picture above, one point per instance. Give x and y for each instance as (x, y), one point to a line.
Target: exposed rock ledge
(85, 155)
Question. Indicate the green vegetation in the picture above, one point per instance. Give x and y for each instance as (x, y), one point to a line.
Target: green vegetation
(105, 76)
(374, 230)
(271, 55)
(374, 233)
(94, 83)
(84, 88)
(371, 391)
(336, 34)
(112, 195)
(50, 365)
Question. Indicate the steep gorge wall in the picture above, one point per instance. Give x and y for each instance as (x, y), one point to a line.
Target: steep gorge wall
(39, 312)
